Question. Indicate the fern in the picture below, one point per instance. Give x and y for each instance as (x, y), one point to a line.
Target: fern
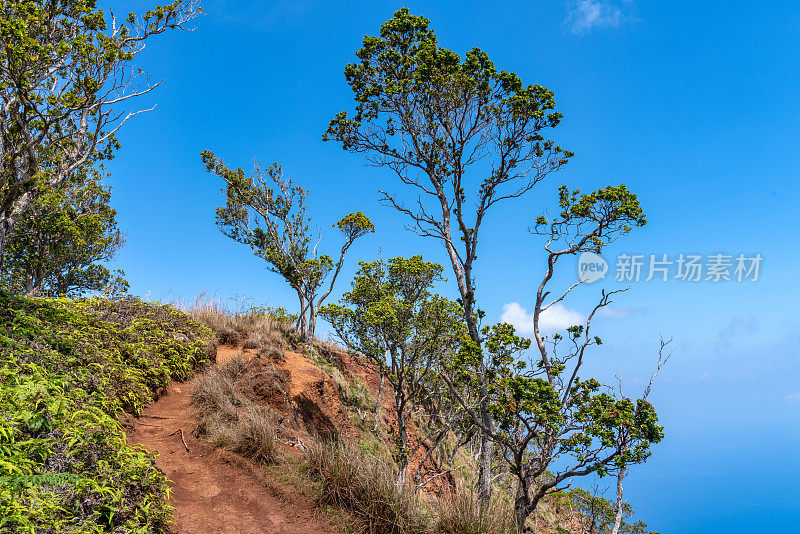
(18, 484)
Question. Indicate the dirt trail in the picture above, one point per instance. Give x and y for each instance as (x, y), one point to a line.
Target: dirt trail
(215, 491)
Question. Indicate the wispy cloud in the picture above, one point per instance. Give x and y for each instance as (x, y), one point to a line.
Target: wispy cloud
(587, 15)
(618, 313)
(794, 397)
(556, 317)
(738, 327)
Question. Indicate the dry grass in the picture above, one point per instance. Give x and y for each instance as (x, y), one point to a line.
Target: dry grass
(252, 436)
(366, 486)
(260, 329)
(459, 513)
(228, 418)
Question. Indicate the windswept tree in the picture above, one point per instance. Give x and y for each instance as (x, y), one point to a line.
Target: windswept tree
(461, 134)
(267, 212)
(66, 74)
(549, 418)
(404, 332)
(60, 246)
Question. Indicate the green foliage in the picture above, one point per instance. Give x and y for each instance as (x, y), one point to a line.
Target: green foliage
(390, 309)
(277, 314)
(544, 401)
(590, 222)
(56, 249)
(268, 213)
(403, 331)
(405, 66)
(65, 72)
(596, 513)
(68, 370)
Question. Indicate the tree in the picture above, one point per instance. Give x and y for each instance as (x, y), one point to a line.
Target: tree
(58, 247)
(390, 314)
(548, 417)
(626, 441)
(66, 72)
(445, 125)
(598, 515)
(268, 213)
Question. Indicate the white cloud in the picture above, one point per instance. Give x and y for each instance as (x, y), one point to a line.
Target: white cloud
(556, 317)
(794, 397)
(615, 313)
(587, 15)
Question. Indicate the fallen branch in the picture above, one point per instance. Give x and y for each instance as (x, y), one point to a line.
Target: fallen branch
(180, 430)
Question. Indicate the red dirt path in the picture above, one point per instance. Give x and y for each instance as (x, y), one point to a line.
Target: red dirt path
(214, 491)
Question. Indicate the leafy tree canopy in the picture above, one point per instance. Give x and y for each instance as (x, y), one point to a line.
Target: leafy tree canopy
(267, 212)
(59, 246)
(66, 73)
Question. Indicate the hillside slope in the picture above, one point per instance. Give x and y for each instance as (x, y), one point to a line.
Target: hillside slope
(214, 490)
(70, 370)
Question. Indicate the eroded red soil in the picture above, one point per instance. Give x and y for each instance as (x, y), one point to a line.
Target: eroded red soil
(214, 491)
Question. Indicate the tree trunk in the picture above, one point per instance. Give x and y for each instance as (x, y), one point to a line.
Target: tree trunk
(618, 514)
(312, 322)
(302, 325)
(484, 484)
(523, 510)
(522, 505)
(484, 488)
(5, 232)
(378, 404)
(485, 471)
(9, 218)
(402, 441)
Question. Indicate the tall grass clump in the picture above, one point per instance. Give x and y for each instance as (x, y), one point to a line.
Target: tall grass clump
(228, 419)
(458, 512)
(260, 328)
(366, 486)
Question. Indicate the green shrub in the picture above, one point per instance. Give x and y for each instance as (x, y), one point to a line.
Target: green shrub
(68, 369)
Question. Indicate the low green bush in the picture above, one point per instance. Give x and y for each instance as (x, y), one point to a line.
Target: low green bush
(69, 369)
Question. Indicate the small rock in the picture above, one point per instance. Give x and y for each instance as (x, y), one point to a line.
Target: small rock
(211, 491)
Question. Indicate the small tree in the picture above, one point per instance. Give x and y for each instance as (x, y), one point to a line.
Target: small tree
(548, 417)
(625, 441)
(390, 312)
(59, 246)
(446, 125)
(268, 213)
(598, 515)
(65, 72)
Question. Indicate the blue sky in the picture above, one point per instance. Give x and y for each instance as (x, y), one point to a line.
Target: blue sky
(692, 105)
